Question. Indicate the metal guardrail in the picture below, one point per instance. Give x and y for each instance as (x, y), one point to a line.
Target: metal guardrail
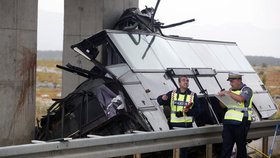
(129, 144)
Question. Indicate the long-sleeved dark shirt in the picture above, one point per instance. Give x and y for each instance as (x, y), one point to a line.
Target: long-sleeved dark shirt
(194, 111)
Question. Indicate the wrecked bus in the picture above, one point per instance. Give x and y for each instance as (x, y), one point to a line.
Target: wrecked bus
(138, 64)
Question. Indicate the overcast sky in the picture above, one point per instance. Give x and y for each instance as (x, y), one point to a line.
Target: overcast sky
(253, 24)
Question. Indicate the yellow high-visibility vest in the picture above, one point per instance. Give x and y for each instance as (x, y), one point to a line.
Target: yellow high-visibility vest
(178, 103)
(236, 112)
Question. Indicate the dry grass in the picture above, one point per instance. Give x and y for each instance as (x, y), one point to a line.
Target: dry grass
(277, 115)
(51, 92)
(49, 63)
(274, 91)
(41, 109)
(49, 77)
(44, 95)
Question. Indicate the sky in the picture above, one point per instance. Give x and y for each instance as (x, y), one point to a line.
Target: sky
(253, 24)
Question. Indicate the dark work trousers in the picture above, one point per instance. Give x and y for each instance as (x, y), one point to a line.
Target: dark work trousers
(235, 134)
(183, 151)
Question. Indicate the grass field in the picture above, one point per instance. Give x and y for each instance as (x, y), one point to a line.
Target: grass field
(48, 85)
(271, 78)
(49, 63)
(49, 77)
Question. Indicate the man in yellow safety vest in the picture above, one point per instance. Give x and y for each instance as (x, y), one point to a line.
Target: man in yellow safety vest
(183, 104)
(237, 119)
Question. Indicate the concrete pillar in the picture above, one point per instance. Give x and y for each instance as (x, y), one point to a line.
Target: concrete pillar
(18, 45)
(83, 18)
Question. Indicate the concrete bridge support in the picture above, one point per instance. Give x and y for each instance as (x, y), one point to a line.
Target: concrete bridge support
(18, 45)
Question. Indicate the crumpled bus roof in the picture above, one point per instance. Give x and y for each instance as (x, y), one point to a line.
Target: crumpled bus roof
(145, 53)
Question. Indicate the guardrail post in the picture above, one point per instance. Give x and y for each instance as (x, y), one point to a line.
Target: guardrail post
(209, 148)
(137, 156)
(265, 145)
(176, 153)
